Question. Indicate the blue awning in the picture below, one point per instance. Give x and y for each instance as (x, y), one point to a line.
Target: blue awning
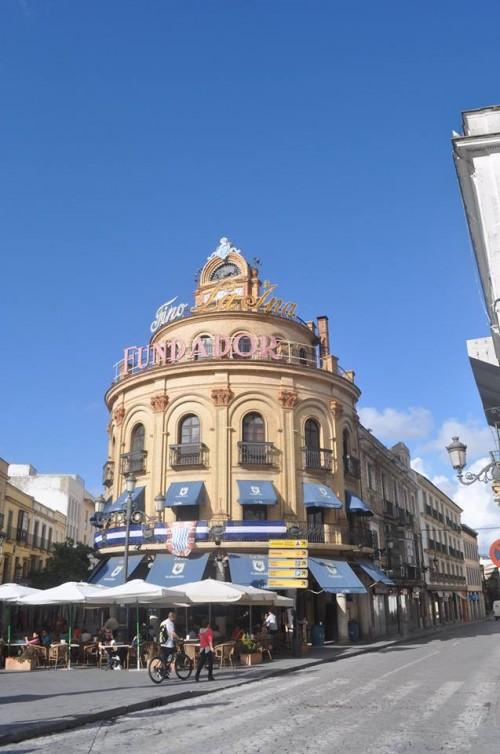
(359, 507)
(121, 501)
(257, 493)
(335, 576)
(248, 570)
(375, 573)
(320, 496)
(184, 493)
(171, 570)
(112, 572)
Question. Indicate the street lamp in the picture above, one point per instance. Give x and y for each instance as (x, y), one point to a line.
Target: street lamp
(159, 505)
(129, 487)
(458, 459)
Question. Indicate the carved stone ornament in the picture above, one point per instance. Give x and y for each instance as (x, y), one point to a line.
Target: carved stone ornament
(336, 408)
(110, 427)
(119, 415)
(159, 402)
(224, 249)
(222, 396)
(288, 398)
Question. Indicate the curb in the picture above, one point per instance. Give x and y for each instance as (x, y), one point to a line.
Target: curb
(59, 726)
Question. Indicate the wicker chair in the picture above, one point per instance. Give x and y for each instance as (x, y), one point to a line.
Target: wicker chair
(91, 653)
(58, 655)
(224, 654)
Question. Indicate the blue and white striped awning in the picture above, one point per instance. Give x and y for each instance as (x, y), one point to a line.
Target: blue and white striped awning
(249, 531)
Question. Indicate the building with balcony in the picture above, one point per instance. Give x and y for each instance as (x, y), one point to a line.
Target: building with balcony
(475, 605)
(30, 529)
(60, 492)
(238, 426)
(443, 554)
(389, 488)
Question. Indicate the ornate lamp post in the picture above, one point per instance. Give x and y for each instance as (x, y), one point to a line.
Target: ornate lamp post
(130, 487)
(458, 459)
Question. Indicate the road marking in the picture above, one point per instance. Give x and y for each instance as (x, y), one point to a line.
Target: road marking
(400, 736)
(476, 711)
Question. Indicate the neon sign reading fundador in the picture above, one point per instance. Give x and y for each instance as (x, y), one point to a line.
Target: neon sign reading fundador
(243, 345)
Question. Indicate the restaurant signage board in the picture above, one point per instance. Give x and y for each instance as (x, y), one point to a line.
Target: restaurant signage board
(287, 573)
(287, 543)
(287, 583)
(279, 562)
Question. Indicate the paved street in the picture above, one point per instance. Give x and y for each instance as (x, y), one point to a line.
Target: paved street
(432, 695)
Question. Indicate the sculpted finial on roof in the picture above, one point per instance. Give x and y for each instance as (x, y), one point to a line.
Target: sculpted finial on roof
(224, 248)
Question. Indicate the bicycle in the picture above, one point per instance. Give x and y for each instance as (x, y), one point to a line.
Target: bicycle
(159, 668)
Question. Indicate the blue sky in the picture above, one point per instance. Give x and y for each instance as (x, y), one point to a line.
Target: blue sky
(316, 135)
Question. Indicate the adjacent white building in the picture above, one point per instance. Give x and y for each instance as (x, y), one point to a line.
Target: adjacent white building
(62, 492)
(477, 159)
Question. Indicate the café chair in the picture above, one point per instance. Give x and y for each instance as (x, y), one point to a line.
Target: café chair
(224, 653)
(58, 655)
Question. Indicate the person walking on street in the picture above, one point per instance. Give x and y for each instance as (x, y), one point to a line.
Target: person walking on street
(206, 651)
(271, 624)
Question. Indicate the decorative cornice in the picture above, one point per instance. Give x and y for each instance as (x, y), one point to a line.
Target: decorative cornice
(119, 415)
(222, 396)
(159, 402)
(288, 398)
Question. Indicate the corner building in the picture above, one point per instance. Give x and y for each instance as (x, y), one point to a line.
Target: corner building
(239, 426)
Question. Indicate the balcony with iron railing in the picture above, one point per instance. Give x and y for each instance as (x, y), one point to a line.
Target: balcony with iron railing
(257, 454)
(446, 578)
(188, 454)
(352, 467)
(317, 459)
(361, 537)
(134, 462)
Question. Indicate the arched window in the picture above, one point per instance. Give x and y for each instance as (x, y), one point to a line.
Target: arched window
(244, 343)
(312, 435)
(313, 459)
(189, 430)
(346, 443)
(206, 348)
(254, 429)
(137, 439)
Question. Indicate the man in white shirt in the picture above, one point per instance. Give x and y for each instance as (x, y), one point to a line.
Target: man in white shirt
(168, 637)
(271, 625)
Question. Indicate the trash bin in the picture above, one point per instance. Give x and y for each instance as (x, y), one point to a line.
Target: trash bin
(318, 635)
(353, 628)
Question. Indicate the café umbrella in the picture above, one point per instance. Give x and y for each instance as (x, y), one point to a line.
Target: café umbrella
(136, 592)
(12, 593)
(69, 593)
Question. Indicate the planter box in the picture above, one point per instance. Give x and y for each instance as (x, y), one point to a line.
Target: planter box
(12, 663)
(253, 659)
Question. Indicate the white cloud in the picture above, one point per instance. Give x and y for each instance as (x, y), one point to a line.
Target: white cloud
(391, 425)
(477, 436)
(418, 464)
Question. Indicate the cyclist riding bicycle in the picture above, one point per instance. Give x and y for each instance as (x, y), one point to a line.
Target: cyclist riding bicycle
(168, 637)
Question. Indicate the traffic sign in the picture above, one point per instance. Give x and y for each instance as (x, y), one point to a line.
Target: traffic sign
(494, 552)
(287, 583)
(288, 543)
(287, 573)
(288, 553)
(287, 562)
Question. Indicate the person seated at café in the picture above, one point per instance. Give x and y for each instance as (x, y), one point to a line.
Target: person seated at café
(86, 636)
(237, 634)
(34, 640)
(76, 634)
(217, 632)
(45, 638)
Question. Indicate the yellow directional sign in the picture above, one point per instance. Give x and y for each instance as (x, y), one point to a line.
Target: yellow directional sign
(286, 573)
(287, 562)
(288, 553)
(288, 543)
(276, 583)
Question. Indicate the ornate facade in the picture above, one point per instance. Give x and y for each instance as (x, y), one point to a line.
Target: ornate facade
(233, 397)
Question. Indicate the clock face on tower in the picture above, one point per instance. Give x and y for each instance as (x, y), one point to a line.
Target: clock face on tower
(226, 270)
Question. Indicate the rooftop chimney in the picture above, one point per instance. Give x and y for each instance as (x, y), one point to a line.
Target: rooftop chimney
(324, 336)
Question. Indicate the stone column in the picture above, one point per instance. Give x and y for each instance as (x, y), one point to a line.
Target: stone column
(365, 615)
(288, 397)
(222, 462)
(342, 618)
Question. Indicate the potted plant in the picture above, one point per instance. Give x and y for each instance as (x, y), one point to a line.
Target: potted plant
(27, 659)
(251, 651)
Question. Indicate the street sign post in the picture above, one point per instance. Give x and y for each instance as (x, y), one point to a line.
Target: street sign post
(287, 564)
(494, 552)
